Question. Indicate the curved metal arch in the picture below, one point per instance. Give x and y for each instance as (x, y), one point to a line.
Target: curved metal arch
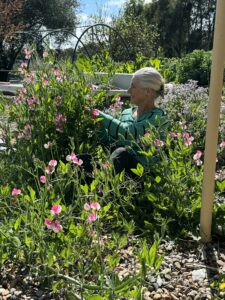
(62, 30)
(55, 31)
(91, 27)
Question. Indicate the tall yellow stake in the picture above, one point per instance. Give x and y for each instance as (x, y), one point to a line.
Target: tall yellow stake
(215, 93)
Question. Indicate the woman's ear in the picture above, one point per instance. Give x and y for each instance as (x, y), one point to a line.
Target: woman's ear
(152, 93)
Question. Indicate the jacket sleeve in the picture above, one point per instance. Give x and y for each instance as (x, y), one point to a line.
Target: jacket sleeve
(128, 130)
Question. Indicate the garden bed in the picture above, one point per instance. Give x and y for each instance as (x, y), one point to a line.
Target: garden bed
(187, 272)
(98, 236)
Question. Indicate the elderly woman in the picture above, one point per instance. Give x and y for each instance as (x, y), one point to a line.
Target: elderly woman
(123, 134)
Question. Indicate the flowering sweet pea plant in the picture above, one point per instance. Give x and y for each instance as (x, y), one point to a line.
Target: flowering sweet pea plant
(72, 226)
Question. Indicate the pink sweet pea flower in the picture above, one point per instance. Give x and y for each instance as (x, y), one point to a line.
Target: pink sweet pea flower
(174, 134)
(45, 54)
(28, 53)
(20, 135)
(95, 205)
(197, 157)
(43, 179)
(23, 65)
(56, 226)
(48, 223)
(56, 209)
(92, 217)
(49, 170)
(72, 157)
(147, 134)
(60, 121)
(183, 125)
(53, 163)
(188, 139)
(87, 207)
(95, 113)
(27, 131)
(159, 143)
(46, 82)
(222, 144)
(16, 192)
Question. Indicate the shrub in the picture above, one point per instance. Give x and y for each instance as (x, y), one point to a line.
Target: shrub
(195, 66)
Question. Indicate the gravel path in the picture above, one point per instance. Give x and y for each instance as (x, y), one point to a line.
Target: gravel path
(186, 273)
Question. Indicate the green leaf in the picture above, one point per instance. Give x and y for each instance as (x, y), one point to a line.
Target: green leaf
(73, 229)
(37, 87)
(158, 262)
(63, 167)
(126, 284)
(221, 185)
(17, 223)
(139, 170)
(158, 179)
(94, 184)
(107, 207)
(84, 188)
(32, 193)
(50, 259)
(144, 252)
(95, 297)
(151, 197)
(113, 260)
(16, 241)
(65, 253)
(3, 257)
(152, 253)
(121, 178)
(28, 241)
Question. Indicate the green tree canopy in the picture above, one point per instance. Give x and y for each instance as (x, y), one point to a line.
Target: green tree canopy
(173, 26)
(139, 36)
(30, 16)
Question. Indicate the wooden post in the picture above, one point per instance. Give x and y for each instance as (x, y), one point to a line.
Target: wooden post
(215, 93)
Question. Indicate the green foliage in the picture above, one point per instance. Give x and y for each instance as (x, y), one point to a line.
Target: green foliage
(195, 66)
(178, 27)
(31, 16)
(80, 248)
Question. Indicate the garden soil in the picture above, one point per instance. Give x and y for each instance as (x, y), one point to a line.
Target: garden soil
(187, 272)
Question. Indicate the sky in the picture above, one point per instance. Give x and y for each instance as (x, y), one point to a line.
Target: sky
(104, 8)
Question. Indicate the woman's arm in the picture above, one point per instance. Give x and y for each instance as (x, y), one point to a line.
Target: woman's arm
(132, 130)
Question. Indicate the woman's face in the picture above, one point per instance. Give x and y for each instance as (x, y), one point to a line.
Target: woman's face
(137, 92)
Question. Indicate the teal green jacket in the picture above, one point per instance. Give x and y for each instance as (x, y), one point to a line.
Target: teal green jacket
(127, 130)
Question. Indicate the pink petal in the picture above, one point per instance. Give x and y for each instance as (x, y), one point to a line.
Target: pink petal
(16, 192)
(92, 217)
(53, 163)
(95, 205)
(56, 209)
(87, 206)
(43, 179)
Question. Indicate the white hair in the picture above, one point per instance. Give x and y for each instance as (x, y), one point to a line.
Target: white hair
(150, 78)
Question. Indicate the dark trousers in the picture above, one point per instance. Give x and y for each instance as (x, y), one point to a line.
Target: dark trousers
(121, 159)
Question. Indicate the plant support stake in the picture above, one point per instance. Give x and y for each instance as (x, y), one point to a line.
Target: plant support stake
(215, 93)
